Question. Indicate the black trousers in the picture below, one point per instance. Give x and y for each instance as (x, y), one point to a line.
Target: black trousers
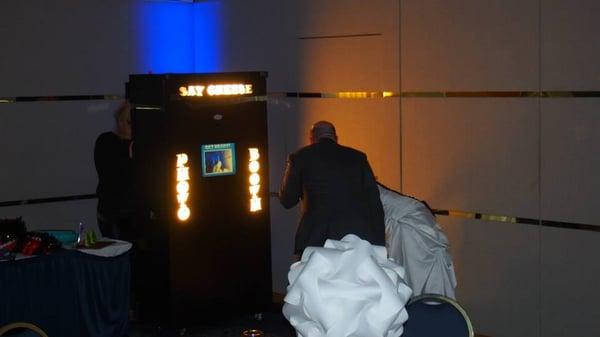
(117, 225)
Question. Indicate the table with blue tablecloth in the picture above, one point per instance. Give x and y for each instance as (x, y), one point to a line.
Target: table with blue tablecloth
(69, 293)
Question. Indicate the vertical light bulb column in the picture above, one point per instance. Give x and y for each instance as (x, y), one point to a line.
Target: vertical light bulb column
(254, 180)
(183, 187)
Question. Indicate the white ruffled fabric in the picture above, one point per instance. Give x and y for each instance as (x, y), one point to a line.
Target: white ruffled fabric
(347, 288)
(415, 241)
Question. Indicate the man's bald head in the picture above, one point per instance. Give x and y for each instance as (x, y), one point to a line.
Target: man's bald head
(322, 129)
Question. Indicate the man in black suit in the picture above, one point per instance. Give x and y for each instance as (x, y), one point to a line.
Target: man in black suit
(338, 191)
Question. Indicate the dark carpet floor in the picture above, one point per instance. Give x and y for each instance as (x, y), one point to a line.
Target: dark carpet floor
(272, 324)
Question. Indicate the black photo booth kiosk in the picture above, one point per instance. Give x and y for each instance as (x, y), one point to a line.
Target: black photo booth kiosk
(202, 189)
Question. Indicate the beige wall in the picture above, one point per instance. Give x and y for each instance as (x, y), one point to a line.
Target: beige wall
(517, 156)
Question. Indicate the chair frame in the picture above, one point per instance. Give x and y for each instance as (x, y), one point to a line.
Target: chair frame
(442, 299)
(26, 325)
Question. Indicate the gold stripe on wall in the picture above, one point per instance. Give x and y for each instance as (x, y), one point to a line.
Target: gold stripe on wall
(506, 219)
(518, 220)
(340, 94)
(487, 217)
(314, 37)
(476, 94)
(437, 94)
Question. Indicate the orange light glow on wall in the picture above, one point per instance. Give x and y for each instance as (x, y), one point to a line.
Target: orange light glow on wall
(183, 186)
(216, 90)
(254, 180)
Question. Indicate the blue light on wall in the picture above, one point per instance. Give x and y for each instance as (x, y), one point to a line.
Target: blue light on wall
(207, 36)
(179, 37)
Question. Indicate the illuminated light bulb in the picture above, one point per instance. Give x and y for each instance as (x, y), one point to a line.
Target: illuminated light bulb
(182, 159)
(254, 190)
(254, 179)
(255, 205)
(183, 213)
(183, 187)
(211, 90)
(215, 90)
(182, 198)
(254, 154)
(254, 166)
(183, 173)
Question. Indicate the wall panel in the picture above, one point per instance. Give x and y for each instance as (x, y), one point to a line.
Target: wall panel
(469, 45)
(341, 17)
(569, 45)
(526, 157)
(472, 154)
(497, 270)
(345, 45)
(569, 283)
(280, 111)
(283, 229)
(323, 69)
(257, 38)
(47, 147)
(571, 160)
(71, 48)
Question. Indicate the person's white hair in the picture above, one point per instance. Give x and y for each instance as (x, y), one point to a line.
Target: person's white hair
(123, 112)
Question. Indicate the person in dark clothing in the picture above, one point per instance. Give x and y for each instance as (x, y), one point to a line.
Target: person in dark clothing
(338, 191)
(116, 207)
(112, 157)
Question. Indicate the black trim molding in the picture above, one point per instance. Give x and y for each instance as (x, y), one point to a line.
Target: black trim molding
(348, 95)
(59, 98)
(47, 200)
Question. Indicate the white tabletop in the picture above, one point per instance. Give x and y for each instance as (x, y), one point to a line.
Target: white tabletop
(118, 247)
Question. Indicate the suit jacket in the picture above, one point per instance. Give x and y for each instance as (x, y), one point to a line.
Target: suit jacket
(338, 192)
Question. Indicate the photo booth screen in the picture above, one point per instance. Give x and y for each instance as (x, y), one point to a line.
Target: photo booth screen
(218, 159)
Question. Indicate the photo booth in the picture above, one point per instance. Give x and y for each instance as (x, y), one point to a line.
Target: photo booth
(202, 193)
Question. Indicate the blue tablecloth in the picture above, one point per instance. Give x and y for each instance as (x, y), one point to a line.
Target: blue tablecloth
(68, 294)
